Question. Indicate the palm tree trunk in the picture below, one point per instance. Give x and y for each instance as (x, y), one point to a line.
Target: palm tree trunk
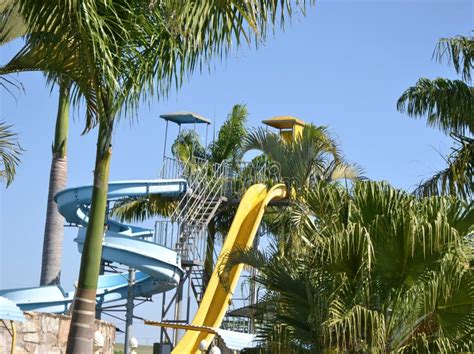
(209, 260)
(54, 225)
(81, 333)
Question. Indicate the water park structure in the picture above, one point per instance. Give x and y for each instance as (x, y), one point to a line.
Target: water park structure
(170, 260)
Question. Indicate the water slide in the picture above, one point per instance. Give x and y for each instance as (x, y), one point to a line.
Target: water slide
(241, 235)
(159, 268)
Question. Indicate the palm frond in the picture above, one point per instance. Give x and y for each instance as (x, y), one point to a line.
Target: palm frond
(10, 152)
(382, 271)
(447, 104)
(187, 146)
(337, 171)
(457, 178)
(12, 24)
(460, 51)
(301, 161)
(228, 145)
(140, 209)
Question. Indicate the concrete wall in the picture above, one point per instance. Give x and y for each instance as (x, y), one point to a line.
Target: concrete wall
(47, 333)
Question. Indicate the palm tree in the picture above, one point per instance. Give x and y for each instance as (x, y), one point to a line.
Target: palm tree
(54, 224)
(10, 152)
(449, 106)
(310, 157)
(382, 271)
(13, 26)
(115, 54)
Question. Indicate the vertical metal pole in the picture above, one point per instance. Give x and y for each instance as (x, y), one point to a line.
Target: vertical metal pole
(166, 138)
(188, 305)
(192, 147)
(253, 289)
(129, 316)
(163, 309)
(177, 310)
(98, 308)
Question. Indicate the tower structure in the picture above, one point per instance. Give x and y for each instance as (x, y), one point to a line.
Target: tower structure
(290, 127)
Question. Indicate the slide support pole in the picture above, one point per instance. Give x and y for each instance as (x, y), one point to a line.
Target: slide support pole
(130, 305)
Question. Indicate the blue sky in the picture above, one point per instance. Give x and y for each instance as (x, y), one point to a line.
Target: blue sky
(344, 65)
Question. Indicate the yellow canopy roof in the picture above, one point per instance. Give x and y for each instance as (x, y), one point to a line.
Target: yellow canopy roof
(284, 122)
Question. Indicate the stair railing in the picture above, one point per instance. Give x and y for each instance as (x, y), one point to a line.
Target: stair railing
(196, 207)
(211, 194)
(193, 185)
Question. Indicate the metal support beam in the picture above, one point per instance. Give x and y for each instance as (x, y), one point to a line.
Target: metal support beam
(177, 310)
(166, 139)
(129, 306)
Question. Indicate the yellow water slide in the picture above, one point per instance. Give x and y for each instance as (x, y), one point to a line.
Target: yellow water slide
(241, 235)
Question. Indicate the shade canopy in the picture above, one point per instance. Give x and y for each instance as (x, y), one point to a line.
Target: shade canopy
(284, 122)
(185, 118)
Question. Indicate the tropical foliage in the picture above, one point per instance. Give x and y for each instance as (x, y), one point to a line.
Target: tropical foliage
(116, 54)
(448, 105)
(381, 271)
(10, 152)
(302, 162)
(308, 158)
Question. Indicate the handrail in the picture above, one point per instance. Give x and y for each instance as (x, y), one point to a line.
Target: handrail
(192, 186)
(202, 204)
(212, 192)
(207, 183)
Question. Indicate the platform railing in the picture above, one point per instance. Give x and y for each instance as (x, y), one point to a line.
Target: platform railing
(249, 173)
(195, 172)
(172, 168)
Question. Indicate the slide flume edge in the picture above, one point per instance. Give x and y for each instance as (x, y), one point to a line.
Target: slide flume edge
(241, 235)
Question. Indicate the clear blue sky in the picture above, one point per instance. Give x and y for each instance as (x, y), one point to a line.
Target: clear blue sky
(343, 65)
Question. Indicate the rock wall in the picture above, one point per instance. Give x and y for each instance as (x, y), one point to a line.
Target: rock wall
(47, 333)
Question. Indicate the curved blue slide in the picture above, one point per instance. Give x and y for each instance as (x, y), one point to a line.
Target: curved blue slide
(159, 268)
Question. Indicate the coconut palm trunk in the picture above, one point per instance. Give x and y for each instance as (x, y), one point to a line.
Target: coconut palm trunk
(81, 333)
(54, 225)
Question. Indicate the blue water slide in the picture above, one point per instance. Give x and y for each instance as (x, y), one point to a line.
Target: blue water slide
(158, 267)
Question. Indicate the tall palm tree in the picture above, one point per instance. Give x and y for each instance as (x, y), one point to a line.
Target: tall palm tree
(116, 53)
(382, 271)
(54, 223)
(10, 152)
(13, 26)
(448, 105)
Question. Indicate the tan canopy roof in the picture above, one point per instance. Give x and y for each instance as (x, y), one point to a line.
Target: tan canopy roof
(284, 122)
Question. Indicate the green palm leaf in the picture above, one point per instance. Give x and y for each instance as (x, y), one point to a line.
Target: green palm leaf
(228, 145)
(140, 209)
(382, 271)
(457, 178)
(10, 152)
(447, 104)
(460, 51)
